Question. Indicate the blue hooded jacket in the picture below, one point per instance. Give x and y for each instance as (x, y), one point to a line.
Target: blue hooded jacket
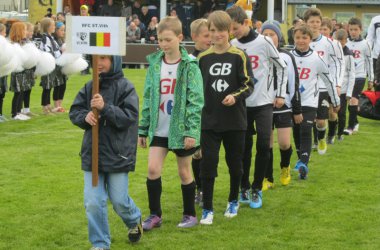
(118, 121)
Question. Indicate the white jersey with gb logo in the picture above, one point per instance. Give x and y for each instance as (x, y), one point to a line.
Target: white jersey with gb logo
(311, 67)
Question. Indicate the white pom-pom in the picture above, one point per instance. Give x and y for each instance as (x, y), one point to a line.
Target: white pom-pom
(20, 56)
(6, 53)
(9, 67)
(75, 67)
(67, 58)
(45, 65)
(32, 55)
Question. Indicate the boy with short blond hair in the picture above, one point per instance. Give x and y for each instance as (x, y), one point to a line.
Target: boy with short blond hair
(361, 50)
(202, 41)
(227, 80)
(171, 113)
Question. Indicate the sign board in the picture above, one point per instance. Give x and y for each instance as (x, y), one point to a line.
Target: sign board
(96, 35)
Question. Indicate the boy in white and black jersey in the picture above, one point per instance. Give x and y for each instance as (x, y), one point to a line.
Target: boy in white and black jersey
(263, 55)
(325, 49)
(363, 69)
(348, 81)
(326, 29)
(227, 82)
(310, 68)
(283, 117)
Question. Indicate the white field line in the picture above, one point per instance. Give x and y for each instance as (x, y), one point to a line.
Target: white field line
(41, 132)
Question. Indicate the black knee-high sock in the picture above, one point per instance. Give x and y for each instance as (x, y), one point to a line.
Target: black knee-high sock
(285, 157)
(332, 127)
(306, 141)
(315, 133)
(234, 187)
(196, 171)
(296, 138)
(321, 133)
(188, 196)
(15, 103)
(154, 194)
(353, 110)
(208, 192)
(269, 168)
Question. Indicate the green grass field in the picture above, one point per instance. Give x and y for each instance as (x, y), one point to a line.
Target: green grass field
(41, 193)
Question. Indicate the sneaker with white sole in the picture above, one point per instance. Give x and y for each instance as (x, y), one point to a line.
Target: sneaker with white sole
(19, 117)
(348, 131)
(232, 209)
(207, 217)
(188, 221)
(356, 128)
(151, 222)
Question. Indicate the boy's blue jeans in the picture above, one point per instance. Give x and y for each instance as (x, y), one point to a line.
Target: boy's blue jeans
(114, 186)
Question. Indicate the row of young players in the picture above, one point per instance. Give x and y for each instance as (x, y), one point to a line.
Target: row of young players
(21, 83)
(191, 109)
(307, 86)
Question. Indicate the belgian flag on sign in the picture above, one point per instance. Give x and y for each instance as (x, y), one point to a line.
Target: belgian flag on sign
(100, 39)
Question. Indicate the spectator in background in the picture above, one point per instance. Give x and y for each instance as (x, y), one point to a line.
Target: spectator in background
(136, 8)
(173, 12)
(153, 8)
(84, 10)
(140, 25)
(198, 10)
(188, 9)
(67, 10)
(151, 32)
(48, 12)
(133, 33)
(60, 17)
(258, 25)
(126, 9)
(110, 9)
(145, 16)
(291, 30)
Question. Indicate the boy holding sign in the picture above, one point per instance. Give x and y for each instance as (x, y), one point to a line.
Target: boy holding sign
(171, 118)
(117, 104)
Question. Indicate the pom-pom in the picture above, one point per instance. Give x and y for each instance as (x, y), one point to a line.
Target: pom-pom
(45, 65)
(75, 67)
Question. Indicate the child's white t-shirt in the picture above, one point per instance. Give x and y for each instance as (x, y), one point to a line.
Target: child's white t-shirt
(167, 86)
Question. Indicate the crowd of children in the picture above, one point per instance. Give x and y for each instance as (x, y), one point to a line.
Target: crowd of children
(239, 88)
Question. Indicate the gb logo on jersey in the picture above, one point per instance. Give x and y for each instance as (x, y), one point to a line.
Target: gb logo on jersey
(220, 69)
(166, 107)
(220, 85)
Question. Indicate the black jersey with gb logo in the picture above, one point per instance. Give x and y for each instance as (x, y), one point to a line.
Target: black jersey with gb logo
(229, 73)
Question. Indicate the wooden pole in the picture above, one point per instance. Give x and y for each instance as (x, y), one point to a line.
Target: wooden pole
(95, 129)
